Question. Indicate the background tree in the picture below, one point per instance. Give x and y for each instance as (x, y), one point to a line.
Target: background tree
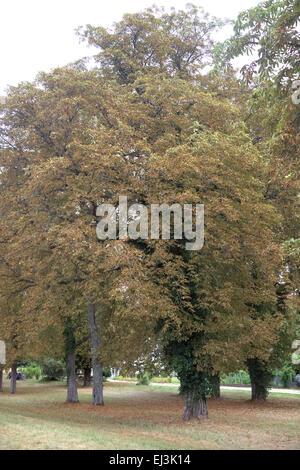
(62, 156)
(270, 32)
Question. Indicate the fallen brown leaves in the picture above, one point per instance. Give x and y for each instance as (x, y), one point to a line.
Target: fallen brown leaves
(146, 418)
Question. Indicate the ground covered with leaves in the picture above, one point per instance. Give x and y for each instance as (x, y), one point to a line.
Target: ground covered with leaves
(138, 417)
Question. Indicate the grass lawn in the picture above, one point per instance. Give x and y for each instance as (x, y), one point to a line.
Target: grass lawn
(139, 417)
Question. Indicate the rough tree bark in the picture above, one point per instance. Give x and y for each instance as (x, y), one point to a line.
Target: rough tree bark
(258, 392)
(194, 407)
(13, 379)
(86, 376)
(95, 354)
(260, 378)
(1, 379)
(72, 393)
(194, 383)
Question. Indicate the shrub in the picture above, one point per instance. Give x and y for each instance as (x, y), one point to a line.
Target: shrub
(106, 372)
(245, 377)
(286, 374)
(53, 370)
(240, 378)
(32, 371)
(143, 378)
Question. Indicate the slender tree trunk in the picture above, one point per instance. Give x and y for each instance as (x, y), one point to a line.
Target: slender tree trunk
(1, 379)
(194, 407)
(95, 354)
(72, 394)
(260, 378)
(86, 376)
(13, 379)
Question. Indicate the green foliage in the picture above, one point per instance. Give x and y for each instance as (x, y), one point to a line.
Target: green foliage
(53, 370)
(242, 377)
(127, 379)
(182, 361)
(261, 377)
(106, 372)
(144, 378)
(164, 380)
(271, 29)
(31, 371)
(286, 374)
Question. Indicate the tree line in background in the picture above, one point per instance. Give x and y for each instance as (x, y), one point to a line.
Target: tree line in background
(150, 122)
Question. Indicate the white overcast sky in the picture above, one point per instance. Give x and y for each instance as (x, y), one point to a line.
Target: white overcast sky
(38, 35)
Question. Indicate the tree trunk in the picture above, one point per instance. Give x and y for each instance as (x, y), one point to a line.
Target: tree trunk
(215, 384)
(72, 394)
(194, 407)
(86, 376)
(258, 392)
(13, 379)
(1, 379)
(260, 378)
(95, 354)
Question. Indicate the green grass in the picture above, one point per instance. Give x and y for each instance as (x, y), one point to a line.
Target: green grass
(143, 418)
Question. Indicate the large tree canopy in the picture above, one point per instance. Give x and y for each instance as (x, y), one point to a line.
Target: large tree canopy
(147, 123)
